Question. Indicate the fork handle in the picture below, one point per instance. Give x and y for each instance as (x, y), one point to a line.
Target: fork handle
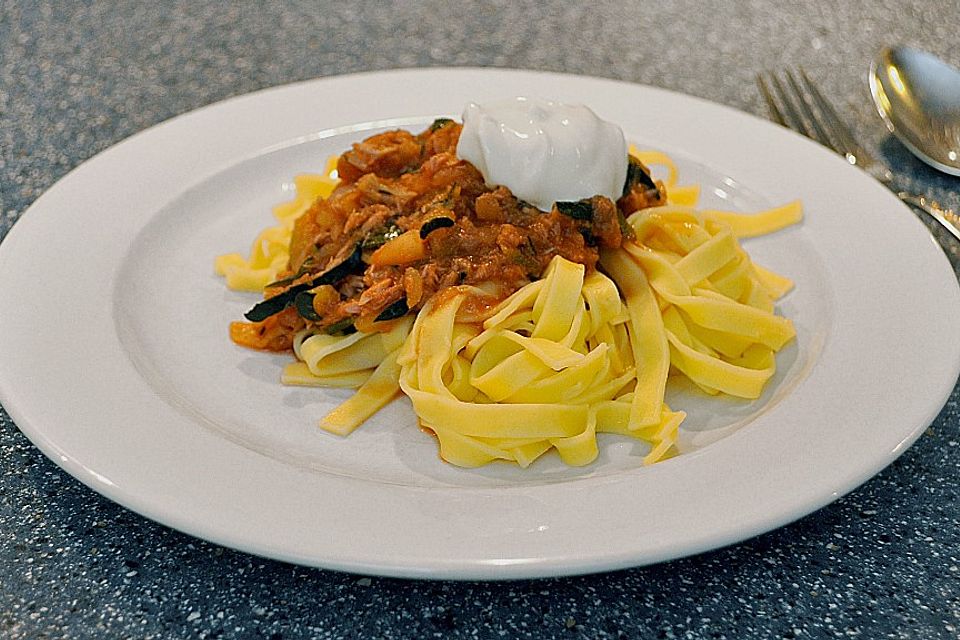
(947, 218)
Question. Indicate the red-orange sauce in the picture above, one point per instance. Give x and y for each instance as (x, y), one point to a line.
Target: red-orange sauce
(465, 233)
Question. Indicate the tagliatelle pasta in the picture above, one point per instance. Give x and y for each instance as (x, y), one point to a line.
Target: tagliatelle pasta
(270, 254)
(573, 354)
(546, 370)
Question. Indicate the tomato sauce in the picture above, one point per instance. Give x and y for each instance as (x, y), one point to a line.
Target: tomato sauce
(424, 220)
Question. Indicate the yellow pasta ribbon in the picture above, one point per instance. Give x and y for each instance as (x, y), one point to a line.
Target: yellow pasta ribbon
(270, 253)
(533, 392)
(657, 159)
(377, 391)
(647, 337)
(758, 224)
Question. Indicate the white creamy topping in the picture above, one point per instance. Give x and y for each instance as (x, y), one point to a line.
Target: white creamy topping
(544, 151)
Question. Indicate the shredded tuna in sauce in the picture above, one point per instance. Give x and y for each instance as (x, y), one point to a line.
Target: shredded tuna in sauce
(410, 219)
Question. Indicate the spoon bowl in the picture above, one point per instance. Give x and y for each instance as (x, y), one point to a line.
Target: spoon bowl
(918, 97)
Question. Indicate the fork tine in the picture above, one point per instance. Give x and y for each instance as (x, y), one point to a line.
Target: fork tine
(771, 103)
(839, 129)
(797, 123)
(819, 133)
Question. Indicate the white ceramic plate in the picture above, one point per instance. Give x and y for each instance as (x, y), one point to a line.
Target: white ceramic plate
(115, 361)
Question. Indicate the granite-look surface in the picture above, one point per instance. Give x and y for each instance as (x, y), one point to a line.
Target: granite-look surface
(75, 78)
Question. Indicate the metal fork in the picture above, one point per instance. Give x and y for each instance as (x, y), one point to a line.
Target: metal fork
(803, 108)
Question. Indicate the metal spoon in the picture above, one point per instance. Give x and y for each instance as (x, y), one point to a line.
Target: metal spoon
(918, 96)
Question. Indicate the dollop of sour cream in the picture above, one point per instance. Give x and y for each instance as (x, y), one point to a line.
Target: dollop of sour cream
(544, 151)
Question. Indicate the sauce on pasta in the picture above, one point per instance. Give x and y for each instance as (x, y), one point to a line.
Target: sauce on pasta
(409, 219)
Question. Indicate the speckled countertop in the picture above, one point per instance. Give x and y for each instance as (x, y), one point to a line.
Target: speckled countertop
(75, 78)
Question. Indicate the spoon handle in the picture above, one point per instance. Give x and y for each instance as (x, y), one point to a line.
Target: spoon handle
(947, 219)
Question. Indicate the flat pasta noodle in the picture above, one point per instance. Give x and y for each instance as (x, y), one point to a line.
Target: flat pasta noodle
(568, 356)
(758, 224)
(270, 251)
(380, 388)
(648, 341)
(541, 392)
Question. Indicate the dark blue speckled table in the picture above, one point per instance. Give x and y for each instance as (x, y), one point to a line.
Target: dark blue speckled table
(75, 78)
